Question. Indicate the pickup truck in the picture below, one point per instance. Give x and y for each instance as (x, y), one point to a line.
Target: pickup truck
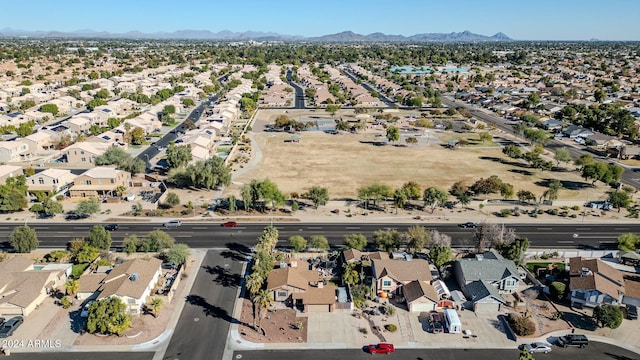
(573, 340)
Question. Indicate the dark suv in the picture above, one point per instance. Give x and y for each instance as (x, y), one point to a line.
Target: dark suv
(632, 312)
(573, 340)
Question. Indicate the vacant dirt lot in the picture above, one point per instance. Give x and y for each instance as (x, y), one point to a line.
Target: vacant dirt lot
(346, 161)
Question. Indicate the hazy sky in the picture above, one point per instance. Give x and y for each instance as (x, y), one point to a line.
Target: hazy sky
(519, 19)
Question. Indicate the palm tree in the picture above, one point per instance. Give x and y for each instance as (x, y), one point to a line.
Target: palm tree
(263, 299)
(156, 305)
(71, 287)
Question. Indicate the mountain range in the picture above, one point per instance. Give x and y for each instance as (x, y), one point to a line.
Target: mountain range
(226, 35)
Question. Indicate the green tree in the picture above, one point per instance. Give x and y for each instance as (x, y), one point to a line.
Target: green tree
(99, 237)
(13, 194)
(525, 196)
(178, 254)
(157, 240)
(88, 207)
(188, 102)
(619, 199)
(393, 133)
(399, 199)
(487, 186)
(350, 275)
(130, 244)
(525, 355)
(332, 109)
(155, 305)
(25, 129)
(515, 250)
(536, 136)
(71, 287)
(207, 174)
(23, 239)
(608, 316)
(628, 242)
(387, 239)
(506, 190)
(319, 195)
(558, 290)
(168, 110)
(418, 238)
(172, 199)
(179, 155)
(86, 254)
(563, 156)
(485, 137)
(49, 108)
(554, 189)
(355, 241)
(108, 316)
(411, 190)
(440, 255)
(318, 242)
(599, 95)
(435, 197)
(263, 299)
(138, 137)
(533, 100)
(298, 242)
(512, 151)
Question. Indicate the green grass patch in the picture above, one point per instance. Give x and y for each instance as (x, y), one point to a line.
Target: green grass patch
(78, 269)
(533, 265)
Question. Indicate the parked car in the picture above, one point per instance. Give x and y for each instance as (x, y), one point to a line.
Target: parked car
(10, 326)
(172, 223)
(381, 348)
(537, 347)
(169, 266)
(573, 340)
(229, 224)
(469, 225)
(111, 227)
(85, 309)
(632, 312)
(74, 216)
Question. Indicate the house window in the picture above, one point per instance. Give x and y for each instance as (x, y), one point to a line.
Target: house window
(113, 181)
(386, 283)
(87, 182)
(82, 152)
(281, 294)
(132, 301)
(510, 283)
(55, 181)
(84, 159)
(40, 181)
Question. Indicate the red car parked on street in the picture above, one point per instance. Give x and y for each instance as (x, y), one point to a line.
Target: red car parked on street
(382, 348)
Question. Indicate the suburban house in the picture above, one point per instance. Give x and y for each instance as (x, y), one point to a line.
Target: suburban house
(301, 288)
(420, 296)
(51, 180)
(593, 282)
(132, 282)
(78, 124)
(485, 278)
(13, 151)
(25, 285)
(574, 131)
(391, 275)
(99, 182)
(38, 141)
(84, 153)
(9, 171)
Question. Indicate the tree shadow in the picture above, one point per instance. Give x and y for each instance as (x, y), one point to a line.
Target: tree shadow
(522, 172)
(212, 310)
(619, 357)
(504, 161)
(78, 324)
(580, 321)
(223, 276)
(566, 184)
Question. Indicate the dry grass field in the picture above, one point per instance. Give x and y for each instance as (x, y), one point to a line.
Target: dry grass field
(345, 162)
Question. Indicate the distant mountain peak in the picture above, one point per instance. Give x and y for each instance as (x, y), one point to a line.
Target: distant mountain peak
(227, 35)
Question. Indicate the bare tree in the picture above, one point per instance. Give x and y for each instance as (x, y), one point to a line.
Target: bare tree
(489, 236)
(438, 238)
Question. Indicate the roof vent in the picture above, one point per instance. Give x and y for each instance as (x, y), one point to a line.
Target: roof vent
(585, 272)
(133, 277)
(479, 257)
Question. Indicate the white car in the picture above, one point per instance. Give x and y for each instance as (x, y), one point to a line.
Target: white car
(537, 347)
(85, 309)
(172, 223)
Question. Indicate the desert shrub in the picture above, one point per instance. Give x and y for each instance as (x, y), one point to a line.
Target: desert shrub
(391, 327)
(65, 302)
(557, 290)
(363, 330)
(521, 325)
(505, 212)
(575, 207)
(565, 208)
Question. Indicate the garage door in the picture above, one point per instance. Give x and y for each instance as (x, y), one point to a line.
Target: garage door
(486, 307)
(318, 308)
(420, 307)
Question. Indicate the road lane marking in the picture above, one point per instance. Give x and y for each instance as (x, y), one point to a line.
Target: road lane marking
(583, 229)
(353, 228)
(566, 242)
(314, 228)
(620, 228)
(199, 228)
(598, 237)
(544, 228)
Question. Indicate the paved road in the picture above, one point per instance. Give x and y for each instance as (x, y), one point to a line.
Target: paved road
(164, 141)
(595, 351)
(299, 98)
(201, 332)
(630, 175)
(207, 235)
(83, 356)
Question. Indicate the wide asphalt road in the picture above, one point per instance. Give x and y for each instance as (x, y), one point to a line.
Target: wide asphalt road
(299, 96)
(82, 356)
(208, 235)
(201, 332)
(595, 351)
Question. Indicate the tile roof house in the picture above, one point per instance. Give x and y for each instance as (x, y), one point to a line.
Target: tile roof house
(301, 288)
(54, 180)
(391, 275)
(84, 153)
(24, 286)
(420, 296)
(100, 181)
(593, 282)
(9, 171)
(132, 282)
(13, 151)
(484, 278)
